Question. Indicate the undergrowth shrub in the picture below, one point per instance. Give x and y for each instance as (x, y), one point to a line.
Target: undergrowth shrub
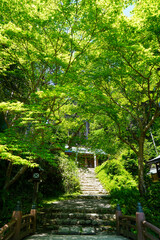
(21, 190)
(127, 197)
(119, 176)
(130, 163)
(60, 179)
(113, 175)
(120, 184)
(69, 172)
(150, 203)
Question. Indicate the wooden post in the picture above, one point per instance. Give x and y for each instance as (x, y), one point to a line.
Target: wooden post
(35, 191)
(17, 214)
(86, 162)
(34, 214)
(118, 214)
(77, 156)
(140, 217)
(95, 161)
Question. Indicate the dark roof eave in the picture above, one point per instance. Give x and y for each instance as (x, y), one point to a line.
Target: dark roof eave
(154, 160)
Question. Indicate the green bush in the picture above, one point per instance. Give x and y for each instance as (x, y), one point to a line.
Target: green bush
(69, 173)
(150, 204)
(120, 184)
(130, 162)
(127, 197)
(113, 175)
(21, 191)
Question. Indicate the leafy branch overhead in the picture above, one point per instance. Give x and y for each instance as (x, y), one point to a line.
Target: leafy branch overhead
(63, 63)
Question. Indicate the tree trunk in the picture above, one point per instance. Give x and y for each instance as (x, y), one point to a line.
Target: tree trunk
(8, 173)
(142, 188)
(16, 177)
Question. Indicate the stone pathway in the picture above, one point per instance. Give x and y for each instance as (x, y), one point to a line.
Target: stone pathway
(46, 236)
(90, 185)
(84, 215)
(88, 217)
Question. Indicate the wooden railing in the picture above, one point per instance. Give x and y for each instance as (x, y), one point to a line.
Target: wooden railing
(128, 227)
(150, 231)
(136, 228)
(19, 226)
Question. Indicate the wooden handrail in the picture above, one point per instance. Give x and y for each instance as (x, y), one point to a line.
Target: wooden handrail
(7, 231)
(127, 226)
(151, 226)
(138, 230)
(19, 226)
(146, 225)
(128, 217)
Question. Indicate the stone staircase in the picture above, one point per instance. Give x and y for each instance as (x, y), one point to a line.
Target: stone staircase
(88, 214)
(90, 185)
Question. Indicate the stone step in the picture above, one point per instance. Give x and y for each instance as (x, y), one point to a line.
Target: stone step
(91, 186)
(95, 197)
(105, 197)
(90, 183)
(79, 230)
(88, 214)
(98, 210)
(92, 192)
(85, 192)
(83, 200)
(92, 189)
(77, 222)
(88, 177)
(84, 216)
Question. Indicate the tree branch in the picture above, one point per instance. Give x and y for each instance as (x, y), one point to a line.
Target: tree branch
(16, 177)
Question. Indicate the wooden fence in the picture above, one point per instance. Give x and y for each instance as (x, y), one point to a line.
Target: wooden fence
(136, 228)
(19, 226)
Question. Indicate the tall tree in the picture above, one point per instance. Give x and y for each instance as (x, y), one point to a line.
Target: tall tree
(126, 75)
(42, 41)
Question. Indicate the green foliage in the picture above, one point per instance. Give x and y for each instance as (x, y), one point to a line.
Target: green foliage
(113, 175)
(69, 172)
(127, 197)
(118, 177)
(150, 204)
(130, 163)
(13, 84)
(65, 62)
(124, 73)
(103, 134)
(21, 191)
(120, 184)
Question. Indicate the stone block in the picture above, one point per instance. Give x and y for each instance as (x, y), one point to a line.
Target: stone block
(75, 230)
(64, 230)
(88, 231)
